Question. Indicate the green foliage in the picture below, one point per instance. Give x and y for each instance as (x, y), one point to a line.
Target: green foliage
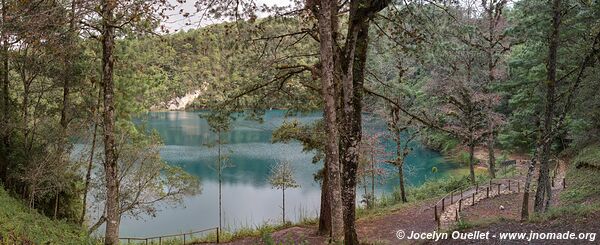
(589, 156)
(282, 176)
(582, 185)
(310, 135)
(576, 210)
(524, 93)
(19, 224)
(439, 187)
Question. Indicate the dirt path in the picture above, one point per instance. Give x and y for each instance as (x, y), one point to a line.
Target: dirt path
(419, 217)
(451, 213)
(382, 229)
(487, 214)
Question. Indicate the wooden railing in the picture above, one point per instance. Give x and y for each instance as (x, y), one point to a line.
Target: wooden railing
(489, 189)
(159, 239)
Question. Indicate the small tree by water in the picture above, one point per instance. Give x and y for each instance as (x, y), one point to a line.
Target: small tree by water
(282, 177)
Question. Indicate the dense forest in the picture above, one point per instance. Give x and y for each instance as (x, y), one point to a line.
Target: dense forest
(503, 77)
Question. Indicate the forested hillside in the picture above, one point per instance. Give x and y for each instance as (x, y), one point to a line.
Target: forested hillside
(488, 78)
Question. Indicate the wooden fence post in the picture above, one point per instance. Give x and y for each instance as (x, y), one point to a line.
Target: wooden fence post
(456, 215)
(435, 212)
(508, 185)
(217, 235)
(461, 193)
(443, 205)
(473, 203)
(487, 192)
(499, 189)
(564, 183)
(460, 205)
(159, 240)
(183, 238)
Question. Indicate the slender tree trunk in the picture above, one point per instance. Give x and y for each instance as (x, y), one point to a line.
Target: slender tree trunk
(68, 59)
(400, 155)
(372, 180)
(88, 176)
(110, 159)
(352, 89)
(491, 152)
(220, 179)
(491, 66)
(283, 203)
(25, 105)
(56, 201)
(4, 129)
(327, 11)
(88, 173)
(527, 188)
(365, 186)
(544, 174)
(472, 162)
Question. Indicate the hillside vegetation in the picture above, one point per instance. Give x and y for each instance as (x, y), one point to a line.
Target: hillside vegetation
(19, 224)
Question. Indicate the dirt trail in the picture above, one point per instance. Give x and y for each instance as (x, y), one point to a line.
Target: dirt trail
(419, 217)
(373, 230)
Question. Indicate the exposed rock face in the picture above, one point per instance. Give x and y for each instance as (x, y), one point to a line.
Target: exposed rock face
(179, 103)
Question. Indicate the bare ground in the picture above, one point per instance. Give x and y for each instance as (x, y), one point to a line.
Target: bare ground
(373, 230)
(497, 214)
(507, 220)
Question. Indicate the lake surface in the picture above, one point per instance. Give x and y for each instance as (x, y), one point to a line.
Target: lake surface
(248, 199)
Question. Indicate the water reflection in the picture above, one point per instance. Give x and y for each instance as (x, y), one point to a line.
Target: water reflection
(248, 199)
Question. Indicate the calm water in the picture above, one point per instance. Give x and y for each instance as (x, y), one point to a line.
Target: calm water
(248, 199)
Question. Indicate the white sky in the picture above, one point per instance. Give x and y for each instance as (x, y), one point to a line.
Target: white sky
(177, 22)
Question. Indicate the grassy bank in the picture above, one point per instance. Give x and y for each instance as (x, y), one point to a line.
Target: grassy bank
(21, 225)
(385, 204)
(582, 195)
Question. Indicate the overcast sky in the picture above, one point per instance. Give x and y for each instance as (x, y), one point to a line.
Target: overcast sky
(177, 22)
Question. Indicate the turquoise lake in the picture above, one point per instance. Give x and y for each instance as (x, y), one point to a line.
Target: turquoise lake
(248, 199)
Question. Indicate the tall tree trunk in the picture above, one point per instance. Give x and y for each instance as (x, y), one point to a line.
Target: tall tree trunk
(402, 185)
(327, 11)
(400, 154)
(472, 161)
(4, 127)
(68, 59)
(283, 203)
(372, 180)
(492, 10)
(352, 90)
(88, 173)
(25, 107)
(491, 146)
(110, 159)
(56, 201)
(220, 167)
(544, 174)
